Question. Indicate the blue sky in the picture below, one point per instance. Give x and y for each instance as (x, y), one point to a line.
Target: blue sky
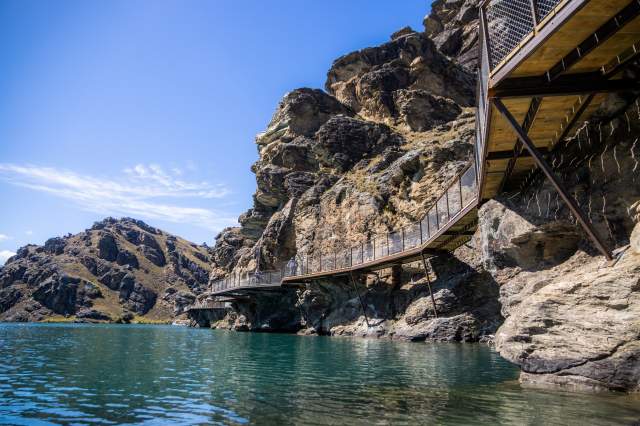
(149, 108)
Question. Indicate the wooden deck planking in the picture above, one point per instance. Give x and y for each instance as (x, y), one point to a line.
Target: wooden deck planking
(578, 27)
(608, 50)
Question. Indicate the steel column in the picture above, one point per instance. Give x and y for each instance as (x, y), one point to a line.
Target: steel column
(426, 271)
(355, 288)
(546, 169)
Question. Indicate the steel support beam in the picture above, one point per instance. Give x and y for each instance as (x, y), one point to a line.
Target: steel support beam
(574, 84)
(426, 271)
(507, 155)
(355, 288)
(546, 169)
(529, 118)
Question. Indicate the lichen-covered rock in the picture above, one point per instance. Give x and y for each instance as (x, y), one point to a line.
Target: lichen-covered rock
(453, 27)
(372, 80)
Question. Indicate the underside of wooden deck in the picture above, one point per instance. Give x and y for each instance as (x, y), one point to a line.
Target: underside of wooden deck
(566, 45)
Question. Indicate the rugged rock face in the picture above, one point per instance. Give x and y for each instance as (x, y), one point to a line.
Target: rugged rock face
(407, 82)
(335, 168)
(116, 268)
(453, 26)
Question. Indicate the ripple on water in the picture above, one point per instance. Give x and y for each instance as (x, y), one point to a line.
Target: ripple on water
(172, 375)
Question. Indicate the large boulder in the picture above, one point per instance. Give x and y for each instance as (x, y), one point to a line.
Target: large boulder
(300, 113)
(107, 247)
(575, 325)
(343, 141)
(54, 245)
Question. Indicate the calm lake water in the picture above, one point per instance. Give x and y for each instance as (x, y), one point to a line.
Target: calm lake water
(84, 374)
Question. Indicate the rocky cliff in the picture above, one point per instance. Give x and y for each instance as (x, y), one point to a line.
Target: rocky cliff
(118, 270)
(375, 149)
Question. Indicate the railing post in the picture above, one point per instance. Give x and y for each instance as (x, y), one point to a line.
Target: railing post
(446, 194)
(373, 242)
(388, 245)
(484, 27)
(534, 14)
(402, 234)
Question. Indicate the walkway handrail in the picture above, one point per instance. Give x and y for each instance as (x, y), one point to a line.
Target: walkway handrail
(508, 24)
(459, 195)
(207, 304)
(247, 280)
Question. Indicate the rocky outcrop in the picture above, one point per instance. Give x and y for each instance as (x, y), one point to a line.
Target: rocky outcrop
(116, 268)
(576, 325)
(453, 27)
(401, 81)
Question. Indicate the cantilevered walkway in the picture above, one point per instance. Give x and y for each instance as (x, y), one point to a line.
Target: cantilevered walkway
(545, 66)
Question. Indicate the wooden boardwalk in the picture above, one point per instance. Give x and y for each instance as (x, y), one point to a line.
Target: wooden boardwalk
(545, 67)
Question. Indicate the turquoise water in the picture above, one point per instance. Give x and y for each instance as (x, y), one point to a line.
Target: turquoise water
(85, 374)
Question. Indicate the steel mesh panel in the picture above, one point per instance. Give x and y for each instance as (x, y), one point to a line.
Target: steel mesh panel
(544, 7)
(509, 22)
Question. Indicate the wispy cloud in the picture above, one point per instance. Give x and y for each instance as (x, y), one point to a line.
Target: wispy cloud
(28, 232)
(4, 255)
(4, 237)
(143, 191)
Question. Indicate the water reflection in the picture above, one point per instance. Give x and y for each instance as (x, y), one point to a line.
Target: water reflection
(159, 375)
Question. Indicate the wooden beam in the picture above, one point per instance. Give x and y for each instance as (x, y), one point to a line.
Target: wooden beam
(546, 169)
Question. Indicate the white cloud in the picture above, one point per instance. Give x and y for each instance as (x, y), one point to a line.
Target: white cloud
(4, 237)
(4, 255)
(28, 232)
(137, 193)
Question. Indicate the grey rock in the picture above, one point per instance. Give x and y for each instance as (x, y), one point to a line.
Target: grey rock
(107, 247)
(125, 257)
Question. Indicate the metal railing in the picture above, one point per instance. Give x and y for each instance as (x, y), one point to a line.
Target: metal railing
(247, 280)
(510, 23)
(458, 196)
(208, 304)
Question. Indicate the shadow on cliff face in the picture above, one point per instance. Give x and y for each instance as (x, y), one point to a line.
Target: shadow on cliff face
(273, 311)
(398, 305)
